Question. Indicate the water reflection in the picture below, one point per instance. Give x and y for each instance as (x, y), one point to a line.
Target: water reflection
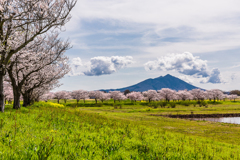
(234, 120)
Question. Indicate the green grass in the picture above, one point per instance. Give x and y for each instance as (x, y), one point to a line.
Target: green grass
(44, 131)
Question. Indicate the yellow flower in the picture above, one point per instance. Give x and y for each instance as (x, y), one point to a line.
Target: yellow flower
(53, 131)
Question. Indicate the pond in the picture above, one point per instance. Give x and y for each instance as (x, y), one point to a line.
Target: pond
(234, 120)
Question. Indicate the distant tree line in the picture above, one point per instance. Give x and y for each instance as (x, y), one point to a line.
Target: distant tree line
(164, 94)
(237, 92)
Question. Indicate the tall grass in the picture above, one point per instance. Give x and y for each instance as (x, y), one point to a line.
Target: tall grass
(63, 133)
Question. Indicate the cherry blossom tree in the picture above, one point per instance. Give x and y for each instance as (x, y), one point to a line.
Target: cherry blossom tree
(61, 95)
(22, 21)
(233, 96)
(216, 94)
(44, 81)
(135, 96)
(96, 94)
(33, 96)
(9, 97)
(31, 93)
(225, 96)
(49, 64)
(209, 95)
(176, 97)
(47, 96)
(167, 93)
(8, 92)
(80, 94)
(184, 95)
(151, 95)
(104, 96)
(67, 96)
(117, 95)
(198, 94)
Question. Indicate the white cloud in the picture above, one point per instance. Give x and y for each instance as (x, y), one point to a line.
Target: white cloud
(98, 66)
(187, 79)
(156, 27)
(234, 76)
(107, 65)
(186, 64)
(199, 12)
(236, 66)
(215, 77)
(75, 64)
(211, 25)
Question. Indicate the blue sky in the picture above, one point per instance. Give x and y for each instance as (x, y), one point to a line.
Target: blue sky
(113, 41)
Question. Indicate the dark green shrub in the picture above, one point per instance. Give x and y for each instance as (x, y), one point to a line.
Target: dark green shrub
(204, 103)
(144, 103)
(98, 105)
(129, 103)
(107, 104)
(153, 104)
(172, 105)
(117, 106)
(214, 102)
(185, 103)
(194, 104)
(163, 104)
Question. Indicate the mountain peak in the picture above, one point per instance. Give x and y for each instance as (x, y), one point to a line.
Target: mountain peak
(169, 75)
(168, 81)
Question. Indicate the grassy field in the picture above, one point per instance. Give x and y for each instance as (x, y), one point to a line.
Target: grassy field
(122, 131)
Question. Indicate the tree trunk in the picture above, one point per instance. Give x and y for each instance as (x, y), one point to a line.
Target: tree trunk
(16, 102)
(2, 105)
(58, 100)
(96, 100)
(27, 99)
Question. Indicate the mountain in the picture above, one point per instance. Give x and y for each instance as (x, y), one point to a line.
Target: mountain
(167, 81)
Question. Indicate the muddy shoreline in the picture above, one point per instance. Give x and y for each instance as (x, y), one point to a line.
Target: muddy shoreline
(199, 115)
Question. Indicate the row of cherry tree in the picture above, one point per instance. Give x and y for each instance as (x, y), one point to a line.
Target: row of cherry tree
(31, 53)
(165, 94)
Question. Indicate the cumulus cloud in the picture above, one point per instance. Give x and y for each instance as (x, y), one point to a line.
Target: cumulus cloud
(186, 64)
(99, 65)
(187, 79)
(234, 76)
(75, 64)
(107, 65)
(215, 77)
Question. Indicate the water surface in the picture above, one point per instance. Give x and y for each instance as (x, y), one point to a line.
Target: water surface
(234, 120)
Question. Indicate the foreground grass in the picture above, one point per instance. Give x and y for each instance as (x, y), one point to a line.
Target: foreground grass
(221, 132)
(106, 133)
